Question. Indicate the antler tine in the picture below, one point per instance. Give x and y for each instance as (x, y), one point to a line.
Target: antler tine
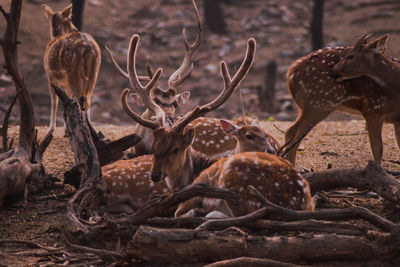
(119, 69)
(186, 68)
(146, 123)
(143, 92)
(229, 87)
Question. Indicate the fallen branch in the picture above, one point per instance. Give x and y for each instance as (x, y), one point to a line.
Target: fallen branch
(158, 206)
(373, 177)
(274, 211)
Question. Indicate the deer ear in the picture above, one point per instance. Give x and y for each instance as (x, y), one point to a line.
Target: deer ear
(182, 98)
(47, 11)
(255, 122)
(228, 127)
(67, 12)
(137, 99)
(379, 44)
(188, 136)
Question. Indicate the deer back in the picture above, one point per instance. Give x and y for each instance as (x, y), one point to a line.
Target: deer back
(128, 181)
(313, 86)
(273, 176)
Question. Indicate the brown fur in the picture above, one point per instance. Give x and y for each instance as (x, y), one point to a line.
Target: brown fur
(270, 174)
(317, 93)
(71, 60)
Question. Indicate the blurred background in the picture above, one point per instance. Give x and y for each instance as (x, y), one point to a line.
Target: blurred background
(284, 29)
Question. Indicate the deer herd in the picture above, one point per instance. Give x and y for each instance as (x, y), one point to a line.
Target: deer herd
(176, 151)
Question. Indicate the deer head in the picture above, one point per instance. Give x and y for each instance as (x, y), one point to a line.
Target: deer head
(171, 145)
(60, 22)
(250, 137)
(361, 59)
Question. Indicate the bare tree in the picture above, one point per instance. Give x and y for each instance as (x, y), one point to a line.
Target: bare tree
(317, 40)
(213, 16)
(77, 13)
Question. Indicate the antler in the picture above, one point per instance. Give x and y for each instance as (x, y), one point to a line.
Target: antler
(186, 68)
(229, 87)
(120, 70)
(143, 92)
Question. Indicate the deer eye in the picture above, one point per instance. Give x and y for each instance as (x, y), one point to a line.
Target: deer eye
(350, 57)
(176, 150)
(249, 137)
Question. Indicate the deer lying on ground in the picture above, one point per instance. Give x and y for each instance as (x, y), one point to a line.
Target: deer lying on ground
(71, 60)
(121, 176)
(179, 164)
(168, 99)
(316, 91)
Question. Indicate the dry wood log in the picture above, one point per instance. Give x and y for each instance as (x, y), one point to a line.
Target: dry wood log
(24, 161)
(190, 246)
(91, 188)
(107, 152)
(247, 261)
(373, 177)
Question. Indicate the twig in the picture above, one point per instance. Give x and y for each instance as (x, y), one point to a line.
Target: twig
(30, 243)
(5, 14)
(276, 127)
(99, 252)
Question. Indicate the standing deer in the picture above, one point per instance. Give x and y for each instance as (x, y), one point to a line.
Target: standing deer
(313, 84)
(168, 99)
(72, 60)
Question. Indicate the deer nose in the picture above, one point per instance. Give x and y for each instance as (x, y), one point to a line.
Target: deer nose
(156, 176)
(270, 151)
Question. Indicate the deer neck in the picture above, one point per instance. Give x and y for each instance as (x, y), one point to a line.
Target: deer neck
(194, 164)
(385, 74)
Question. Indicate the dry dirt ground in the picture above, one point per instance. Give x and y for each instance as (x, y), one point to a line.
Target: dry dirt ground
(279, 26)
(281, 30)
(343, 144)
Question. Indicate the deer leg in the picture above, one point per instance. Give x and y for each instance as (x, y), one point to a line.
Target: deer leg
(306, 119)
(54, 106)
(374, 124)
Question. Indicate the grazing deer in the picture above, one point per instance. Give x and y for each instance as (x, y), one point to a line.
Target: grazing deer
(313, 84)
(72, 60)
(168, 99)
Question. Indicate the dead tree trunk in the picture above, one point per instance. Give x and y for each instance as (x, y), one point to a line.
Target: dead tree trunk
(213, 16)
(77, 13)
(91, 189)
(24, 161)
(316, 26)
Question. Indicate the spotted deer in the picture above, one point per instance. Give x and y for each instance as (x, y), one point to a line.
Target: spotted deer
(316, 89)
(71, 60)
(124, 177)
(168, 99)
(216, 138)
(176, 161)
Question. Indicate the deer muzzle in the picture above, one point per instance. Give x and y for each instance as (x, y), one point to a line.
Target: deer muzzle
(156, 176)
